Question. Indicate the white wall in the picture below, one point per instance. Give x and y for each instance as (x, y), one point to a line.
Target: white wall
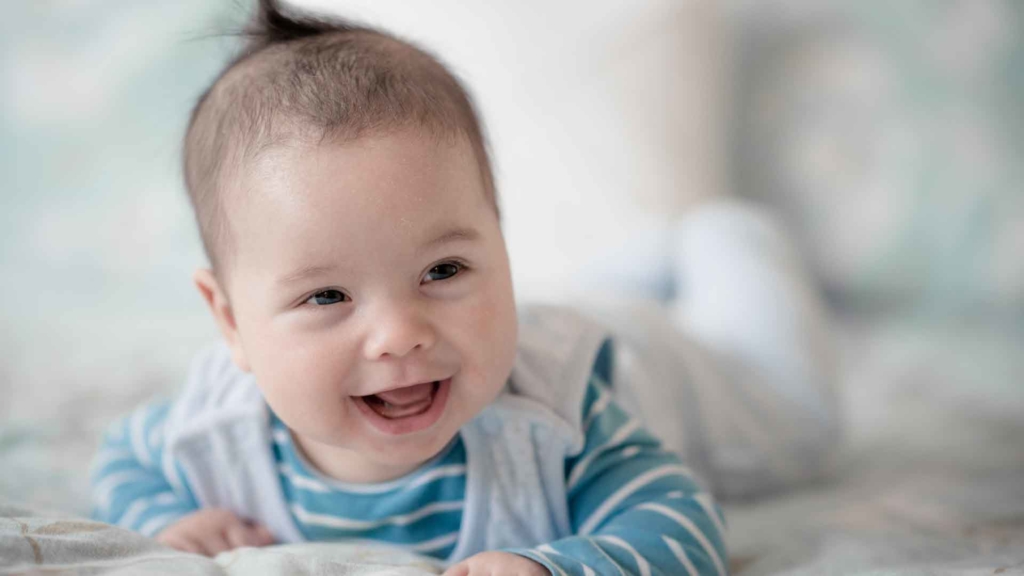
(604, 119)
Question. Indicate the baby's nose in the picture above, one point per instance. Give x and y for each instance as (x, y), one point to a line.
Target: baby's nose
(397, 330)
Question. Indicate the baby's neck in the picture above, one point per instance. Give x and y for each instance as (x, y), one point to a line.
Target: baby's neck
(347, 465)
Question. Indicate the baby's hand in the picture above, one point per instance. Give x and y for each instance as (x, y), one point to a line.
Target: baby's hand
(213, 531)
(497, 564)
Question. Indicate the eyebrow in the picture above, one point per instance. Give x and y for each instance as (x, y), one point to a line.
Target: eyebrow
(453, 235)
(449, 236)
(303, 273)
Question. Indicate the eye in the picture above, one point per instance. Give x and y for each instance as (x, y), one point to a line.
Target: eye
(444, 271)
(327, 297)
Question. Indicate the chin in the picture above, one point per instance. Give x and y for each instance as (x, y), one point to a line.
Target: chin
(412, 451)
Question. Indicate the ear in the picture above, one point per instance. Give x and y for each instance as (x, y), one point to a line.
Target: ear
(216, 298)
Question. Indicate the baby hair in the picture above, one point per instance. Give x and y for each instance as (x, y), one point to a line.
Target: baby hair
(317, 79)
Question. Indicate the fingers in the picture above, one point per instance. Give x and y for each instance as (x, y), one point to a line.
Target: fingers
(210, 532)
(460, 569)
(181, 543)
(263, 536)
(194, 543)
(239, 534)
(497, 563)
(215, 542)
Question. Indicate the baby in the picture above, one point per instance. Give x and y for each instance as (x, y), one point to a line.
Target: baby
(375, 380)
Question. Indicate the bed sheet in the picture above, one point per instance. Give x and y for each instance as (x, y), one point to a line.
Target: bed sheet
(932, 481)
(31, 543)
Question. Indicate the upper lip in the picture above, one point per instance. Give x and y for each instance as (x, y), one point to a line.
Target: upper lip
(412, 383)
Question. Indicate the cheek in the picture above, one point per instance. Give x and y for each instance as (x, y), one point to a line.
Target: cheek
(302, 370)
(489, 334)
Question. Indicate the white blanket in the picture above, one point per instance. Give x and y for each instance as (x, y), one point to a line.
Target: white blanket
(30, 542)
(933, 482)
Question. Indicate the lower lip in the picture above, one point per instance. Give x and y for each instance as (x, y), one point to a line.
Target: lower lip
(408, 424)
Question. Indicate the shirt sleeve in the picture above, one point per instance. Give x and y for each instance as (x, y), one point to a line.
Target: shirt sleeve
(129, 486)
(635, 508)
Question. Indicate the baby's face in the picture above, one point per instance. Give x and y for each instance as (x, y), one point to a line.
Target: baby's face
(371, 297)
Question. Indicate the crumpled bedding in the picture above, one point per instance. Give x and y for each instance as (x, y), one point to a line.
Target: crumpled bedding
(932, 483)
(30, 542)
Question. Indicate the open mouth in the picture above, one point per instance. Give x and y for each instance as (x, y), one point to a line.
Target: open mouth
(405, 410)
(403, 402)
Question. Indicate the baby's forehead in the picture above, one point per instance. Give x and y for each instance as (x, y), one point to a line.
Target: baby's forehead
(398, 179)
(310, 157)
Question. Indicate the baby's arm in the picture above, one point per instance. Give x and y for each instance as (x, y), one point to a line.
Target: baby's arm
(635, 508)
(130, 489)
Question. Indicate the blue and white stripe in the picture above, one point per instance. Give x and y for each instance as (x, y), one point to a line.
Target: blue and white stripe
(635, 509)
(129, 486)
(421, 512)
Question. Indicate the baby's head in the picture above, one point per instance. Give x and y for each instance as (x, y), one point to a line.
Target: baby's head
(345, 200)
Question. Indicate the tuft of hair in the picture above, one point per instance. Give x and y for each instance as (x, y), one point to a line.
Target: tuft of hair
(300, 76)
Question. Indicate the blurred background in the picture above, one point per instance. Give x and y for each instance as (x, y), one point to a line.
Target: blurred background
(889, 137)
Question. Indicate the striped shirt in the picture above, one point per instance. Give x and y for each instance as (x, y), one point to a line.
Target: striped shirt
(634, 508)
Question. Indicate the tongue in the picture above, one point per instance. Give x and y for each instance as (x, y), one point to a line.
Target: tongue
(402, 397)
(402, 402)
